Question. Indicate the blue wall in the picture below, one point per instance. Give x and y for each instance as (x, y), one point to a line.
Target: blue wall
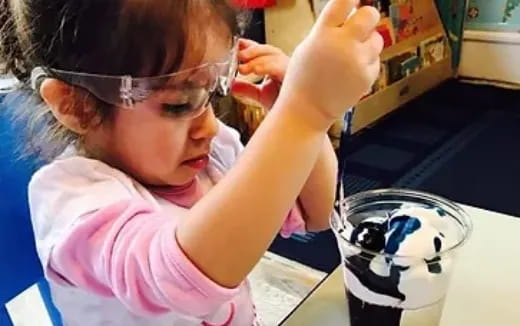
(20, 265)
(501, 15)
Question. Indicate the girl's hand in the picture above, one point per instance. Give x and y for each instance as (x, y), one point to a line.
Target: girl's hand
(335, 65)
(262, 60)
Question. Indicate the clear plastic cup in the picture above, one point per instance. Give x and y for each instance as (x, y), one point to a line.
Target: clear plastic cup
(401, 278)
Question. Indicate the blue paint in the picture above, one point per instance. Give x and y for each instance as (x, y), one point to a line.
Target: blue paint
(401, 227)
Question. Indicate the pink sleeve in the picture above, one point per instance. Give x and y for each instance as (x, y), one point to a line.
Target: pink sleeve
(228, 146)
(294, 223)
(128, 250)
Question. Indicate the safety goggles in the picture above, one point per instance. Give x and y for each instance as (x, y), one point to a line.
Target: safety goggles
(186, 94)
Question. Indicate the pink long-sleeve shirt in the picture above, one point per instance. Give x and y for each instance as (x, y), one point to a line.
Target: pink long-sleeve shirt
(108, 248)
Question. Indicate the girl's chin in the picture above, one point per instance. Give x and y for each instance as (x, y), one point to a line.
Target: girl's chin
(182, 179)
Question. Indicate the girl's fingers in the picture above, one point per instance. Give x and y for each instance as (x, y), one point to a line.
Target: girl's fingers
(245, 69)
(336, 12)
(363, 23)
(265, 66)
(257, 51)
(376, 45)
(244, 43)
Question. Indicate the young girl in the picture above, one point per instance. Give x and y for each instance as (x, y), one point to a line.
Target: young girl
(153, 214)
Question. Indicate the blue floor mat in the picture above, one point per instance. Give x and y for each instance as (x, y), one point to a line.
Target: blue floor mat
(481, 167)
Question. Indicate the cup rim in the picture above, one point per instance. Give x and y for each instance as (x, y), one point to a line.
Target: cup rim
(466, 220)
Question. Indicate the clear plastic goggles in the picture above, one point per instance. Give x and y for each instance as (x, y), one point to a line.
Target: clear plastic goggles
(186, 93)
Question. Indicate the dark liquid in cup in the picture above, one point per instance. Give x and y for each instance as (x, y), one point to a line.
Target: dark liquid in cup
(366, 314)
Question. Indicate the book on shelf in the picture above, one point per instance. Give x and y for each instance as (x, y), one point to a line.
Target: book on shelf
(406, 27)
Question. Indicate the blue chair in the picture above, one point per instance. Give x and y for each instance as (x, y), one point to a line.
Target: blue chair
(20, 264)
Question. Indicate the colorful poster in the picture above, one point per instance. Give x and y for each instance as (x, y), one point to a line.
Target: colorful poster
(433, 50)
(410, 17)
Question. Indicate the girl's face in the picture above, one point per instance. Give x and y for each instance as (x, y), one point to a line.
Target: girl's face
(153, 146)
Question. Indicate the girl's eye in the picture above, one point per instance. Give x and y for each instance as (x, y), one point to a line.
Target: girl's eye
(175, 109)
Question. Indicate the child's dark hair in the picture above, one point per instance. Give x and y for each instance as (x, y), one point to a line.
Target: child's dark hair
(112, 37)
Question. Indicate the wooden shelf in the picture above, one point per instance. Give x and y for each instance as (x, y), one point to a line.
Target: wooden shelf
(387, 100)
(289, 21)
(411, 42)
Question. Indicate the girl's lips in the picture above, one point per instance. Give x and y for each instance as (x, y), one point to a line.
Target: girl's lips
(197, 163)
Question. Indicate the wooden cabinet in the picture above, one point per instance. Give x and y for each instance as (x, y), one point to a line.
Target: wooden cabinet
(415, 25)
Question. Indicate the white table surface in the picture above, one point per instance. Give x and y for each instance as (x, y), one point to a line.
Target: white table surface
(485, 288)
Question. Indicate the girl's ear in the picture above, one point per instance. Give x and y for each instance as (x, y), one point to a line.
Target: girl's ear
(62, 99)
